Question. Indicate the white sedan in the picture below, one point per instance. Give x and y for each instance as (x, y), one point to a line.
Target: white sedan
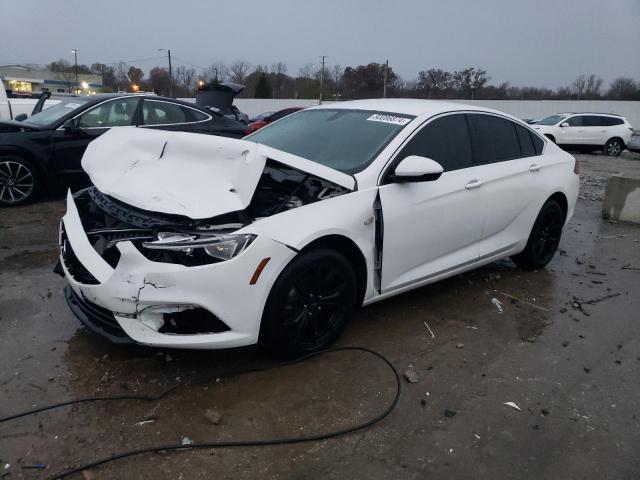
(195, 241)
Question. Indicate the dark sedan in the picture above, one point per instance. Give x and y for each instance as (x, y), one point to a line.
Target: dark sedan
(46, 149)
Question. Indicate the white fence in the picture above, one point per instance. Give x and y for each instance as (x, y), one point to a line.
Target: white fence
(520, 108)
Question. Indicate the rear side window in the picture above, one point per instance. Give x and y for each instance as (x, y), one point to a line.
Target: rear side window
(538, 143)
(193, 115)
(526, 141)
(494, 139)
(609, 121)
(445, 140)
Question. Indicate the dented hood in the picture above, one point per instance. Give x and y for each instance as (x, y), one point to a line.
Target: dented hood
(195, 175)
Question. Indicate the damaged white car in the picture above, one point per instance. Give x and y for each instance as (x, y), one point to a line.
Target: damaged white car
(193, 241)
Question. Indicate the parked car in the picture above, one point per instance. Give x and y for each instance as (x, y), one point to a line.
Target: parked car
(258, 124)
(279, 237)
(587, 131)
(46, 149)
(634, 144)
(260, 117)
(219, 98)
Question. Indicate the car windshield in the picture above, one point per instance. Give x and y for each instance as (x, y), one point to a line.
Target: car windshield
(56, 112)
(551, 120)
(346, 140)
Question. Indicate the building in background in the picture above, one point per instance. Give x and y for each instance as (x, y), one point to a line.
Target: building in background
(18, 79)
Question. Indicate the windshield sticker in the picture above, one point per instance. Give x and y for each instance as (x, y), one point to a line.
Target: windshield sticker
(379, 117)
(73, 105)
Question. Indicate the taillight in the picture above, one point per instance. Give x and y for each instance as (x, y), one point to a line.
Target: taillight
(576, 166)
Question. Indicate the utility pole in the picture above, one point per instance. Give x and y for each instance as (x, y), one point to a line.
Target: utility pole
(170, 72)
(384, 85)
(75, 56)
(323, 57)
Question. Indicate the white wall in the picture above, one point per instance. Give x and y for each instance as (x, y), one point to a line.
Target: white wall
(541, 108)
(519, 108)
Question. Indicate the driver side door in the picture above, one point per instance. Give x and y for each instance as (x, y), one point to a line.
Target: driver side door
(433, 227)
(69, 145)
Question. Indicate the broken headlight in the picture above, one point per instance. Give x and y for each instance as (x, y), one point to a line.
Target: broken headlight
(220, 247)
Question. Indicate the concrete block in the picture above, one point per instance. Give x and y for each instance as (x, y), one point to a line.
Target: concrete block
(622, 198)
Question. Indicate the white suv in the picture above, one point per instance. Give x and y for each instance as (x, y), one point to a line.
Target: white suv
(587, 131)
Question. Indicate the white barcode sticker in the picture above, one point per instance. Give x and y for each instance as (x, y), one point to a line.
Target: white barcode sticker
(380, 117)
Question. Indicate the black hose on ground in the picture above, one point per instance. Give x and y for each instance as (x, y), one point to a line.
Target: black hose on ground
(228, 443)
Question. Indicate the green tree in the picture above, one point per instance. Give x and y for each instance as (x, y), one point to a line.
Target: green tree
(263, 88)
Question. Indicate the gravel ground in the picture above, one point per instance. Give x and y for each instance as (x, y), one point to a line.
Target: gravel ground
(595, 169)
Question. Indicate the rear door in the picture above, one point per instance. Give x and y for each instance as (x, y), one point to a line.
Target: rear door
(509, 156)
(70, 145)
(432, 227)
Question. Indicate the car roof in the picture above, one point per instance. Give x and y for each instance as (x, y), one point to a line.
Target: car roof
(591, 113)
(407, 106)
(100, 97)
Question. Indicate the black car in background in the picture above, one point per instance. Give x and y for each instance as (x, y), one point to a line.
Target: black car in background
(45, 149)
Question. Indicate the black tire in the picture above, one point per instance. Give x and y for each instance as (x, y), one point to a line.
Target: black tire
(550, 137)
(309, 305)
(544, 238)
(613, 147)
(19, 181)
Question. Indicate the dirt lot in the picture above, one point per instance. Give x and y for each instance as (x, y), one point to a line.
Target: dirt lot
(572, 368)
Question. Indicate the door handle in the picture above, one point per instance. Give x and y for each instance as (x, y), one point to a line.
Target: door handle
(535, 167)
(474, 184)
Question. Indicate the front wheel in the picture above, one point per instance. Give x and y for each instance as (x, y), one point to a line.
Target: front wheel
(544, 238)
(613, 147)
(310, 303)
(19, 181)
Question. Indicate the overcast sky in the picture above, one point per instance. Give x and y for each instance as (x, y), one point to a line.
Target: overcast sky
(526, 42)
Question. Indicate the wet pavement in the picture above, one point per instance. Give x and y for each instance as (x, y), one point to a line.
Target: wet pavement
(565, 350)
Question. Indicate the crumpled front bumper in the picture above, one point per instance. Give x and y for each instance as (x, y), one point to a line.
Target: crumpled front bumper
(138, 291)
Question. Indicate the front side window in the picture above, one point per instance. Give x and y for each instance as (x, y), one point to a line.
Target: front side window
(114, 113)
(342, 139)
(494, 139)
(551, 120)
(445, 140)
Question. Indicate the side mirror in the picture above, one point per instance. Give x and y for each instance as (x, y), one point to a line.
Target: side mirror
(564, 124)
(21, 118)
(417, 169)
(70, 126)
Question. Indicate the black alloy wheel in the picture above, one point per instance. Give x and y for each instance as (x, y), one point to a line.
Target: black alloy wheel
(310, 304)
(17, 181)
(544, 238)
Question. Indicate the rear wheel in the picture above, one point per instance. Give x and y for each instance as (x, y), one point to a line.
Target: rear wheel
(19, 181)
(310, 303)
(613, 147)
(544, 238)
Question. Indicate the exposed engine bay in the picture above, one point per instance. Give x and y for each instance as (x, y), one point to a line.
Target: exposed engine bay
(179, 239)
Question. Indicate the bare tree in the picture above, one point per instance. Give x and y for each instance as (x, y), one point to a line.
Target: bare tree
(238, 71)
(185, 79)
(217, 71)
(623, 88)
(592, 89)
(336, 76)
(120, 72)
(579, 86)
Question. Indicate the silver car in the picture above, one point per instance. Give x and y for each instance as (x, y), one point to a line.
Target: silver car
(634, 144)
